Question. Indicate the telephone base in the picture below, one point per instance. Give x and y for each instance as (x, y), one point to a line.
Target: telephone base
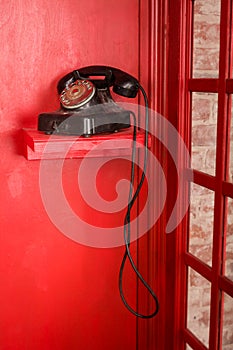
(98, 119)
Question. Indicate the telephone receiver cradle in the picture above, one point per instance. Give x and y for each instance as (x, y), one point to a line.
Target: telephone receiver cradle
(86, 104)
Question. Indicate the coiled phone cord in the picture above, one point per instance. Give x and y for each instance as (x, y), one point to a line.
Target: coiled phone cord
(132, 199)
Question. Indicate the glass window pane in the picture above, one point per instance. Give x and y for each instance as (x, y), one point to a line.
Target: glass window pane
(206, 30)
(201, 223)
(227, 331)
(204, 131)
(229, 241)
(198, 313)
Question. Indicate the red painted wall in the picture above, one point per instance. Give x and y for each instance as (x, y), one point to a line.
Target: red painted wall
(55, 293)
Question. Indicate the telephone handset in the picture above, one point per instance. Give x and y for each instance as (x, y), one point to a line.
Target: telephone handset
(85, 96)
(123, 83)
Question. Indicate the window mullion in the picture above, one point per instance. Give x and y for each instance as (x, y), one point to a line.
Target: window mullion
(215, 316)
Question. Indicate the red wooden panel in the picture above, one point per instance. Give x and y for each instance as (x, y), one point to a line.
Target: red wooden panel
(153, 17)
(56, 294)
(177, 106)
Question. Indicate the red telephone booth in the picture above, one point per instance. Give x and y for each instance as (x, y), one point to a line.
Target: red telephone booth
(58, 293)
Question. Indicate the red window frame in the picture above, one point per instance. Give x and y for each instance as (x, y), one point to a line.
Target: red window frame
(167, 58)
(223, 86)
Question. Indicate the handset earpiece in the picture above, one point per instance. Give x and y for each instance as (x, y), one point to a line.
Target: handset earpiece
(125, 84)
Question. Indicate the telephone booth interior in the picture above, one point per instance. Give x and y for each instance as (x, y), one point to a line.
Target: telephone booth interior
(59, 294)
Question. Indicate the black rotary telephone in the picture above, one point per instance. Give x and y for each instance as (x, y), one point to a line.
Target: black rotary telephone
(85, 97)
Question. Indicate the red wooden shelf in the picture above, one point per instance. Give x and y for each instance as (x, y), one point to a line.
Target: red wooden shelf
(38, 145)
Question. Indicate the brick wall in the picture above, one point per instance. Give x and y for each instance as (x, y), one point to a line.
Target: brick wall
(204, 127)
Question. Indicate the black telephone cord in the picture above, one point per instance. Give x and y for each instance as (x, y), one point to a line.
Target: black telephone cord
(132, 199)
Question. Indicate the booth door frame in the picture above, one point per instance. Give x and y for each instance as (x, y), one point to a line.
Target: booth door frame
(165, 67)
